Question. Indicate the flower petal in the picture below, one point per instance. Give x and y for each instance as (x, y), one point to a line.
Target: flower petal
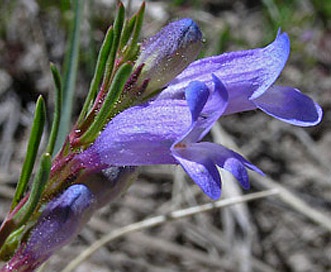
(217, 155)
(204, 175)
(289, 105)
(244, 73)
(204, 118)
(218, 101)
(140, 135)
(196, 95)
(238, 170)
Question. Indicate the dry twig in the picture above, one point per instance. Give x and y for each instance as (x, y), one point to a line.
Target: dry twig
(161, 219)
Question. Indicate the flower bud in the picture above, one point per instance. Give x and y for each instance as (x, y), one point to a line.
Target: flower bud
(169, 52)
(57, 225)
(63, 217)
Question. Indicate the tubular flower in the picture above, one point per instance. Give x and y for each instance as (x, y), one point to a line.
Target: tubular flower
(169, 129)
(169, 132)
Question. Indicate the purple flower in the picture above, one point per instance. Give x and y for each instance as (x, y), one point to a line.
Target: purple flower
(169, 132)
(249, 76)
(169, 129)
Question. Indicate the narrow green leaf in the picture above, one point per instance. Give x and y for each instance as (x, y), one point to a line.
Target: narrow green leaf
(99, 69)
(118, 26)
(70, 74)
(9, 247)
(57, 109)
(38, 186)
(132, 48)
(113, 94)
(139, 23)
(127, 31)
(32, 150)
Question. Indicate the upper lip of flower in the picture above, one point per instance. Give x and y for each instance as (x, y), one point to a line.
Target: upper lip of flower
(249, 76)
(255, 69)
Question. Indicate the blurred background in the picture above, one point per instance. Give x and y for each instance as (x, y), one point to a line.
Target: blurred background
(264, 235)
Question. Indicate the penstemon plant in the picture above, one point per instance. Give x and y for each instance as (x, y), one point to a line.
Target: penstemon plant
(148, 103)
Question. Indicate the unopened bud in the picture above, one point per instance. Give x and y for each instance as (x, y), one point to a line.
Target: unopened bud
(59, 223)
(169, 52)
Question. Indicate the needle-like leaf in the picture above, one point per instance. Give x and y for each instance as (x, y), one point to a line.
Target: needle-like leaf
(32, 150)
(57, 109)
(38, 185)
(70, 74)
(118, 26)
(105, 112)
(98, 73)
